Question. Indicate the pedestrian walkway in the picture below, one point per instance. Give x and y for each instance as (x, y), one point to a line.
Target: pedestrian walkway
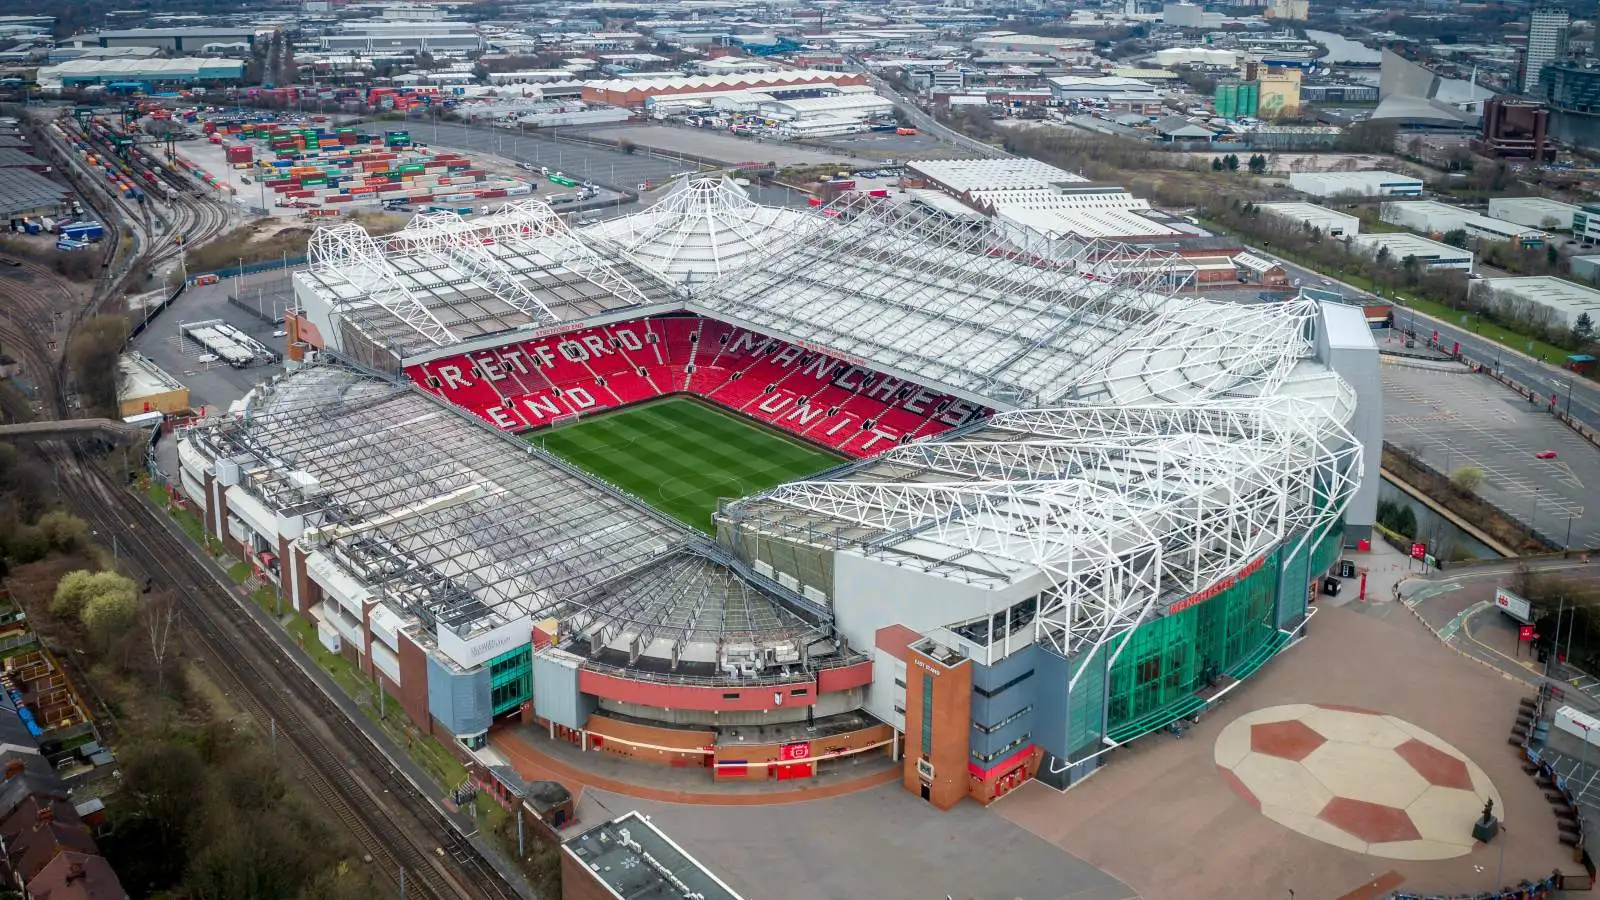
(538, 758)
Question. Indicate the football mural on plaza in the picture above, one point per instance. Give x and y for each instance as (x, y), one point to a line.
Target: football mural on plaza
(1356, 779)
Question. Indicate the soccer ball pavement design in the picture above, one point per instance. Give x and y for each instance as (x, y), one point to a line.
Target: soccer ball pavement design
(1356, 779)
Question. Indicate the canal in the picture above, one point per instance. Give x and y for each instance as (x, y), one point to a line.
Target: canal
(1445, 541)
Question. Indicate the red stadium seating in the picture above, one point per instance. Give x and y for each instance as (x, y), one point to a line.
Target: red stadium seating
(527, 384)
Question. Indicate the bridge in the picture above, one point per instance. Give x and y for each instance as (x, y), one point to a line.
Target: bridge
(109, 429)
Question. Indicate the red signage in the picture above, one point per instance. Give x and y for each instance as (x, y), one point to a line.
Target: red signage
(1419, 550)
(1195, 599)
(794, 751)
(1525, 633)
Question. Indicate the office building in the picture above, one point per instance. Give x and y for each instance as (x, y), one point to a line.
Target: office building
(1547, 42)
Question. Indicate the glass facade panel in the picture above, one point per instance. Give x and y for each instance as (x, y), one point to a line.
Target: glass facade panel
(1174, 656)
(511, 679)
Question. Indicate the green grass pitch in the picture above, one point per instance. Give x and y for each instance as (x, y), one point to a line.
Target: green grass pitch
(681, 455)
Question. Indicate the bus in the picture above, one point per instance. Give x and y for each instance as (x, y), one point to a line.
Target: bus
(397, 139)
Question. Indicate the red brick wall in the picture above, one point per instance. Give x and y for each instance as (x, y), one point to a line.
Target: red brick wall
(578, 883)
(951, 712)
(672, 696)
(413, 691)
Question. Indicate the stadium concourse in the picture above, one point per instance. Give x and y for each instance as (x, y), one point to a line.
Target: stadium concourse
(1060, 505)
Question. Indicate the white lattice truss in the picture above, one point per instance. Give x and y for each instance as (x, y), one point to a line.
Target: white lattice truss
(1125, 509)
(703, 228)
(971, 308)
(530, 229)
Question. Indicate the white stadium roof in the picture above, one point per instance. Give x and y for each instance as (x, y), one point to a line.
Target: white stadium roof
(443, 280)
(1150, 443)
(704, 228)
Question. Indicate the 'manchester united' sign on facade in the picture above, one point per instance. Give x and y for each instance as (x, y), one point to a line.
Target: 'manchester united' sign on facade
(1195, 599)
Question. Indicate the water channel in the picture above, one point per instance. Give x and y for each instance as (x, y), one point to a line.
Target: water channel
(1443, 538)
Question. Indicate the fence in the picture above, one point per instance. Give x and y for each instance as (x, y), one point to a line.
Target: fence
(253, 268)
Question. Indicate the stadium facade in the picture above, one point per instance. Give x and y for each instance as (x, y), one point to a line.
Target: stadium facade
(1074, 505)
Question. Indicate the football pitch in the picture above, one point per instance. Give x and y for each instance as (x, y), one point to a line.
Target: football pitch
(681, 455)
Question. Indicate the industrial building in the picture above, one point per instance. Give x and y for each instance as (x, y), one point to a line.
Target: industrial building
(1432, 217)
(1076, 473)
(962, 176)
(634, 93)
(1534, 212)
(1087, 212)
(1397, 247)
(143, 386)
(178, 40)
(1566, 300)
(1356, 184)
(435, 37)
(1330, 222)
(25, 194)
(187, 70)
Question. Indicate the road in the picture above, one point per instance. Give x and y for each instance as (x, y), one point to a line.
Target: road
(1542, 377)
(927, 123)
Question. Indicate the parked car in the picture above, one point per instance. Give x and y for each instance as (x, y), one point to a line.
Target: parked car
(208, 357)
(1545, 454)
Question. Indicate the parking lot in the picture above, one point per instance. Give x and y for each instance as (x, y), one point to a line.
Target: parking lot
(1453, 418)
(213, 383)
(599, 164)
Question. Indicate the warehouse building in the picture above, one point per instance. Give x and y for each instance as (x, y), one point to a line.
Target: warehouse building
(27, 194)
(179, 40)
(1356, 184)
(1566, 300)
(1330, 222)
(1586, 268)
(638, 92)
(188, 70)
(854, 107)
(1534, 212)
(1430, 217)
(433, 37)
(1399, 246)
(960, 176)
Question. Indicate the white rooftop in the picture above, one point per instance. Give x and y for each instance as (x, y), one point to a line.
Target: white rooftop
(1011, 173)
(704, 228)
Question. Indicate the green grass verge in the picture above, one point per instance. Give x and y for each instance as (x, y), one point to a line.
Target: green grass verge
(1479, 325)
(681, 455)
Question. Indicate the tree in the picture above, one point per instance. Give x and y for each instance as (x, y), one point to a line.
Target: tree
(65, 531)
(1467, 479)
(1582, 329)
(1217, 165)
(93, 355)
(1258, 164)
(111, 612)
(160, 614)
(80, 591)
(1231, 161)
(1456, 237)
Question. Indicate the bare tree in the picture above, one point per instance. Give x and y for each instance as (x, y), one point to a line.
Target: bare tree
(160, 616)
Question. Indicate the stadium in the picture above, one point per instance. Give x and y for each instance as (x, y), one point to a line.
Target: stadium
(758, 489)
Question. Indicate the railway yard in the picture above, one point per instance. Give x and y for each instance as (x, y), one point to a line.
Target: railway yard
(153, 210)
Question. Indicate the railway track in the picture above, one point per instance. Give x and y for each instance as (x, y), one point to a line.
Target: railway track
(391, 819)
(398, 830)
